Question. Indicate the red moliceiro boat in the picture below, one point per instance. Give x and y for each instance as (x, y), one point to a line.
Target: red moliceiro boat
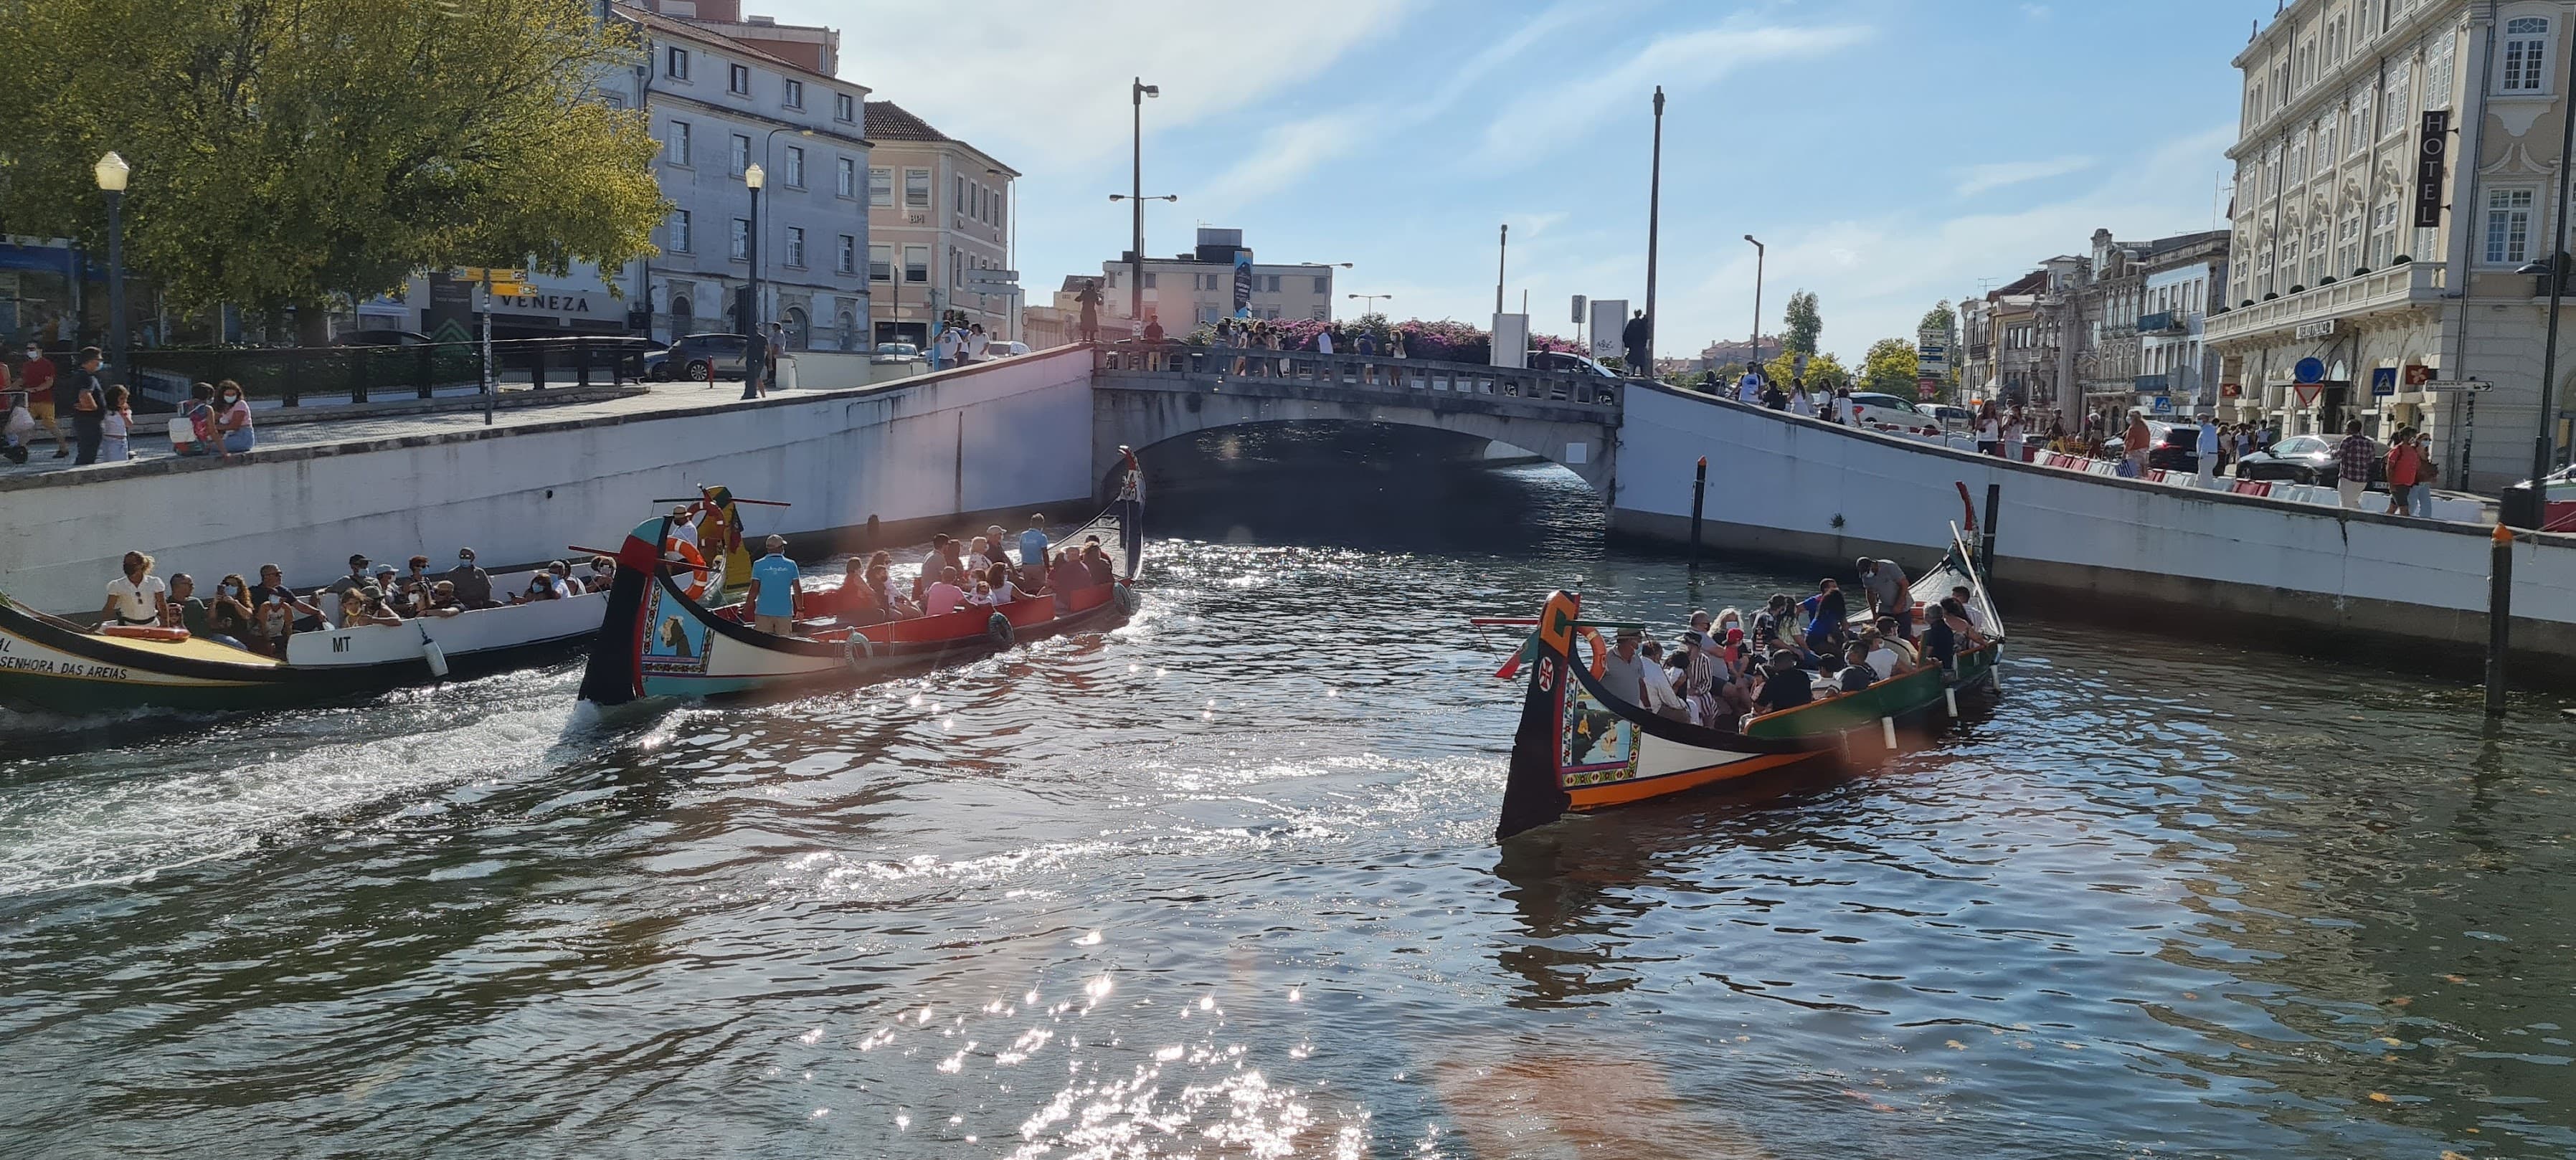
(657, 641)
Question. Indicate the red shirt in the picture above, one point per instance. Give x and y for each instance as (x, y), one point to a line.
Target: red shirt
(2404, 461)
(37, 379)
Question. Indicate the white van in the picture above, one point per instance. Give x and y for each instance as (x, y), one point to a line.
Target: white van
(1881, 412)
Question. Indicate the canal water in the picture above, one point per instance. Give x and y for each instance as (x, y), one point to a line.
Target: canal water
(1222, 883)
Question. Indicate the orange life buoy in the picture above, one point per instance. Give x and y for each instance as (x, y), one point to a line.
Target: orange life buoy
(1600, 650)
(697, 585)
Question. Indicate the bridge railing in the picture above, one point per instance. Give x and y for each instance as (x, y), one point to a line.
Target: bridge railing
(1412, 377)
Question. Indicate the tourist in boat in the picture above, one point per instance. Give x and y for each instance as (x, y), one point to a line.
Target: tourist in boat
(137, 597)
(184, 609)
(1884, 586)
(1955, 611)
(1033, 542)
(603, 572)
(473, 585)
(881, 586)
(979, 556)
(1704, 668)
(440, 601)
(943, 595)
(364, 607)
(272, 590)
(1785, 685)
(1732, 698)
(1064, 578)
(998, 577)
(274, 621)
(1825, 614)
(1967, 603)
(855, 602)
(1623, 670)
(1857, 674)
(1093, 558)
(356, 579)
(773, 590)
(229, 613)
(1885, 635)
(1658, 684)
(1772, 623)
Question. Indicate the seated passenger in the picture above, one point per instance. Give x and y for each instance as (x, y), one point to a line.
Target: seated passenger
(565, 582)
(1784, 684)
(361, 607)
(441, 601)
(1098, 562)
(1857, 674)
(540, 587)
(603, 572)
(388, 585)
(943, 596)
(982, 596)
(1068, 574)
(892, 606)
(855, 603)
(1907, 659)
(979, 556)
(229, 613)
(185, 609)
(998, 577)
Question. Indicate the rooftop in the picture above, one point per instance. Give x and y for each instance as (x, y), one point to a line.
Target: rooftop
(888, 121)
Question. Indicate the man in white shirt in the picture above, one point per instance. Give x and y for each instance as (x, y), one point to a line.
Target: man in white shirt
(1622, 672)
(976, 341)
(1882, 659)
(1658, 683)
(2208, 450)
(138, 596)
(1976, 616)
(1748, 389)
(1324, 341)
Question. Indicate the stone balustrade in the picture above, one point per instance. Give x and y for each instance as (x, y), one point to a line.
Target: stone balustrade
(1411, 378)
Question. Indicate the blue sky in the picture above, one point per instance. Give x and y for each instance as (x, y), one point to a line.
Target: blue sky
(1890, 153)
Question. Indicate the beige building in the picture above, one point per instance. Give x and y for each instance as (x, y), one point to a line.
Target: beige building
(939, 230)
(1193, 289)
(2329, 259)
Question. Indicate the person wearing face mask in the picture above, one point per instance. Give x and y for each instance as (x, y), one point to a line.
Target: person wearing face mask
(89, 405)
(229, 614)
(473, 585)
(232, 419)
(36, 377)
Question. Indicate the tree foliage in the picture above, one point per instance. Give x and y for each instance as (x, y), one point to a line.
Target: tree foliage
(1824, 371)
(1939, 320)
(1805, 323)
(287, 151)
(1889, 367)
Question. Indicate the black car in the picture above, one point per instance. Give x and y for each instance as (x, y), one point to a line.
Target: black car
(2177, 450)
(693, 355)
(2306, 459)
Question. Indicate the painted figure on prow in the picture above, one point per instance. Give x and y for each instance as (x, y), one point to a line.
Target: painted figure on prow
(720, 541)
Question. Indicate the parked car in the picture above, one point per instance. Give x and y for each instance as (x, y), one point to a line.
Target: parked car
(690, 358)
(654, 363)
(2305, 459)
(1567, 363)
(381, 336)
(895, 352)
(1954, 419)
(1873, 409)
(2177, 447)
(1005, 349)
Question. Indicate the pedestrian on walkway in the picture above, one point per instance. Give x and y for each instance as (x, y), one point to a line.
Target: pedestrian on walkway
(2134, 444)
(2014, 434)
(115, 421)
(755, 359)
(89, 406)
(2353, 458)
(2208, 450)
(36, 377)
(976, 342)
(1634, 338)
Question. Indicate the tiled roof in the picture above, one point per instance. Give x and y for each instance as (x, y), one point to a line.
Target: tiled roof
(888, 121)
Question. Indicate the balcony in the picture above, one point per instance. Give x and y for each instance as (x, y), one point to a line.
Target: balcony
(2162, 322)
(2151, 384)
(2388, 291)
(1979, 350)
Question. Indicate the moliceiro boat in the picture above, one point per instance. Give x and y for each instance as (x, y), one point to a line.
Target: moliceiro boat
(658, 640)
(53, 665)
(1579, 748)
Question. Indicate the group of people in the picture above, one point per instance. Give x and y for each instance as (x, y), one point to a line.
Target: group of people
(260, 617)
(959, 343)
(1727, 669)
(34, 390)
(1258, 334)
(1755, 389)
(2002, 431)
(957, 575)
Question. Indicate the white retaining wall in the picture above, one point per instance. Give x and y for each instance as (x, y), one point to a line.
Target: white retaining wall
(1784, 485)
(1006, 435)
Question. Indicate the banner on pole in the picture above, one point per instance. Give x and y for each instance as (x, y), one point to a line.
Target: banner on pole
(1609, 315)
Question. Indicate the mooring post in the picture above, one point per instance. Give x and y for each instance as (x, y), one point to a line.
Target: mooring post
(1986, 545)
(1699, 494)
(2499, 617)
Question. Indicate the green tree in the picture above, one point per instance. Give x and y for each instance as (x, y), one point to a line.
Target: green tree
(1889, 367)
(1939, 320)
(1805, 322)
(288, 152)
(1824, 371)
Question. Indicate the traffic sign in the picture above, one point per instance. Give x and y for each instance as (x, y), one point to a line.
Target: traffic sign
(2309, 370)
(2458, 385)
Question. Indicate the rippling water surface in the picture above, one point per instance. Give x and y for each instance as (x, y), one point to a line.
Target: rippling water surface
(1221, 883)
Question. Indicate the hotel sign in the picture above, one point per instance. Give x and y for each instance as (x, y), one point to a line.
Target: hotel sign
(2431, 149)
(2318, 329)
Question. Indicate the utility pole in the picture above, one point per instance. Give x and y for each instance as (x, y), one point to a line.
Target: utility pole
(1137, 91)
(1654, 212)
(1502, 260)
(1755, 364)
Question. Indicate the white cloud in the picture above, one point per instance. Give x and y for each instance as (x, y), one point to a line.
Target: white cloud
(1541, 122)
(1976, 179)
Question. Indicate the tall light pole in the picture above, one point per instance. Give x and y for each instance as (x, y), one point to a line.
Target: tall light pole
(1756, 365)
(1502, 261)
(1654, 212)
(112, 171)
(1373, 300)
(1137, 91)
(748, 314)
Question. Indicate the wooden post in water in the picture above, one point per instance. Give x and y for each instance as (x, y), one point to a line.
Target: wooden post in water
(2499, 617)
(1986, 545)
(1699, 494)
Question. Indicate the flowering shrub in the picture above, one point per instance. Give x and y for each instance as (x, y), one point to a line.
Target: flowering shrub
(1444, 340)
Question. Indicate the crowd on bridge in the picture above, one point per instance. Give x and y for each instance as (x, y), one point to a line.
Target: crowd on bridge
(34, 390)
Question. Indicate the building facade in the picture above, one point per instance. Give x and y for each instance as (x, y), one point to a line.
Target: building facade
(2114, 282)
(939, 209)
(2174, 358)
(1197, 288)
(2396, 276)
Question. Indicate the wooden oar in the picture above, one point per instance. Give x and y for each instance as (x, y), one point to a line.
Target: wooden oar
(736, 499)
(670, 560)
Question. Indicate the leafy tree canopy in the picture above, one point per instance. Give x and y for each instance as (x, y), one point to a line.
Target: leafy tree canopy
(1824, 371)
(1889, 367)
(287, 151)
(1805, 323)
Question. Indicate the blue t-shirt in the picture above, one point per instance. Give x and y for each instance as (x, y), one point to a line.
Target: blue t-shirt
(777, 576)
(1033, 548)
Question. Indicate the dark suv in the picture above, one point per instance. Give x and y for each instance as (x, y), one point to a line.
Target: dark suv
(690, 358)
(2178, 450)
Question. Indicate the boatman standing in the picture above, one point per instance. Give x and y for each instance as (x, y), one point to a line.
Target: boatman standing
(773, 591)
(1033, 545)
(1885, 583)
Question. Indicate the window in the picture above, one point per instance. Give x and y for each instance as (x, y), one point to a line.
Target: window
(679, 231)
(846, 182)
(916, 263)
(795, 168)
(2299, 157)
(738, 80)
(2508, 226)
(675, 64)
(2347, 245)
(2326, 131)
(2401, 91)
(849, 263)
(679, 150)
(741, 154)
(2363, 132)
(959, 205)
(916, 189)
(741, 240)
(796, 246)
(881, 263)
(1149, 279)
(978, 198)
(2383, 234)
(1319, 314)
(2526, 57)
(880, 185)
(1274, 288)
(2317, 270)
(1324, 284)
(2437, 73)
(844, 107)
(791, 93)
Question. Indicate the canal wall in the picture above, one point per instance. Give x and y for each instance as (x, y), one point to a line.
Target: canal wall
(2121, 553)
(926, 452)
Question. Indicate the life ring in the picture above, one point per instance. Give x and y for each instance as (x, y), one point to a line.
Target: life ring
(697, 585)
(1600, 649)
(999, 629)
(144, 632)
(857, 649)
(1128, 601)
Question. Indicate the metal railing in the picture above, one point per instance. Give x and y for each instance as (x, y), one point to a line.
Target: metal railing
(1412, 377)
(359, 374)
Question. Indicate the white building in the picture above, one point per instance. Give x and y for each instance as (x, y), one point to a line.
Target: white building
(939, 212)
(2174, 359)
(2329, 258)
(1198, 287)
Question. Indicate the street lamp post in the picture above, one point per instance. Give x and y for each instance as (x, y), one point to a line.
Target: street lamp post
(1373, 300)
(1758, 252)
(748, 313)
(112, 172)
(1502, 262)
(1654, 219)
(1137, 91)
